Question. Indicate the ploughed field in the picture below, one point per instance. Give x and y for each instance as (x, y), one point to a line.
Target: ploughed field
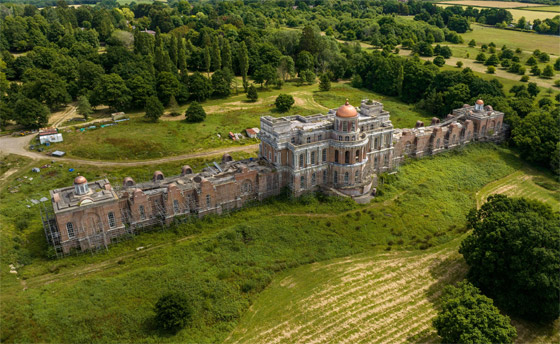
(223, 263)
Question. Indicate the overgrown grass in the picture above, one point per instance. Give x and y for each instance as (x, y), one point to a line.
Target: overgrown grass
(222, 263)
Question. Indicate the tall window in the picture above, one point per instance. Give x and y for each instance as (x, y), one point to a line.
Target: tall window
(208, 201)
(375, 143)
(353, 138)
(357, 177)
(320, 137)
(375, 162)
(293, 140)
(309, 140)
(339, 138)
(324, 154)
(347, 157)
(453, 139)
(346, 178)
(302, 182)
(176, 206)
(70, 229)
(335, 177)
(437, 143)
(347, 138)
(324, 176)
(344, 126)
(357, 155)
(387, 159)
(142, 212)
(312, 158)
(353, 126)
(336, 155)
(313, 179)
(301, 160)
(112, 222)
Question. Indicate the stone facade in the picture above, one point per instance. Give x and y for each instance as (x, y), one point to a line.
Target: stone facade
(341, 152)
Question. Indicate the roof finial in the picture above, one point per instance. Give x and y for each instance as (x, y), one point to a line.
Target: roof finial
(347, 102)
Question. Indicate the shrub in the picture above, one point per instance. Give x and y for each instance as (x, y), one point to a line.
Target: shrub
(439, 61)
(252, 94)
(195, 113)
(284, 102)
(324, 82)
(490, 69)
(173, 312)
(459, 64)
(525, 78)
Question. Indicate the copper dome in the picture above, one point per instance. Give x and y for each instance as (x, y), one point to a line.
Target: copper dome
(80, 180)
(346, 111)
(480, 101)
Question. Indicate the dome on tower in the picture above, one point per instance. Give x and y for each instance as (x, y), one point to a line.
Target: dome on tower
(80, 180)
(346, 111)
(480, 102)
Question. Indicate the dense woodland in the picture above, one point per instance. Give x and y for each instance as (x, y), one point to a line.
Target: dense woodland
(121, 56)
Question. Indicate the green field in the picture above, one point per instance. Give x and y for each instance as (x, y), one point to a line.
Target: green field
(224, 262)
(524, 40)
(372, 298)
(138, 139)
(524, 183)
(545, 9)
(530, 13)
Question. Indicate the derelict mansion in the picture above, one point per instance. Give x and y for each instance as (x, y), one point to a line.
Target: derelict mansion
(341, 152)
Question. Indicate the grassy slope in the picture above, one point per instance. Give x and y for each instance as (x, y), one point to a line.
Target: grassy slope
(222, 263)
(138, 139)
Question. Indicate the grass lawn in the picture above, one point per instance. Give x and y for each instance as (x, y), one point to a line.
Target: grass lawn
(222, 263)
(524, 40)
(138, 139)
(526, 182)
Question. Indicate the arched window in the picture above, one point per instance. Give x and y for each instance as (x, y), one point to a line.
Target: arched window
(324, 154)
(375, 162)
(357, 177)
(293, 140)
(312, 158)
(347, 138)
(208, 201)
(335, 177)
(375, 143)
(313, 179)
(344, 126)
(347, 157)
(302, 182)
(70, 229)
(142, 212)
(339, 138)
(320, 137)
(324, 176)
(357, 155)
(353, 138)
(353, 126)
(112, 222)
(309, 140)
(336, 155)
(176, 209)
(387, 159)
(301, 160)
(346, 178)
(453, 139)
(362, 128)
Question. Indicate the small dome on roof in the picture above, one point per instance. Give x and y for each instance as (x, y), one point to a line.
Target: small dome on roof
(80, 180)
(480, 102)
(489, 108)
(158, 175)
(346, 111)
(466, 105)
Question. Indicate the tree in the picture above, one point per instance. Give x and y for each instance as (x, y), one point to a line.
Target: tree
(491, 70)
(531, 61)
(199, 87)
(30, 113)
(535, 70)
(265, 75)
(286, 67)
(173, 312)
(324, 82)
(308, 76)
(472, 43)
(207, 60)
(445, 51)
(284, 102)
(493, 60)
(439, 61)
(221, 83)
(548, 72)
(466, 316)
(167, 86)
(513, 253)
(243, 58)
(252, 94)
(533, 89)
(111, 90)
(304, 61)
(45, 86)
(480, 57)
(226, 55)
(557, 64)
(154, 109)
(84, 107)
(459, 64)
(423, 49)
(195, 113)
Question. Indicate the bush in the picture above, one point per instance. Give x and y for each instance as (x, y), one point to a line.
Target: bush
(284, 102)
(324, 83)
(252, 94)
(154, 109)
(525, 78)
(490, 69)
(439, 61)
(173, 312)
(466, 316)
(195, 113)
(459, 64)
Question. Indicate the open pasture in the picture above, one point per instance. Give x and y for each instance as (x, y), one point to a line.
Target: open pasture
(492, 4)
(545, 9)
